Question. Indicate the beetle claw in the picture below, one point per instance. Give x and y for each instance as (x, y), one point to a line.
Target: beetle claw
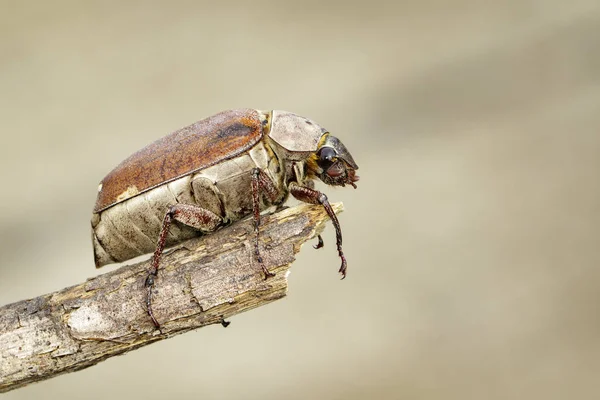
(268, 274)
(343, 267)
(149, 302)
(320, 244)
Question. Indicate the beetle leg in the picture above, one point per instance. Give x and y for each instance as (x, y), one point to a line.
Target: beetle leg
(261, 180)
(188, 214)
(312, 196)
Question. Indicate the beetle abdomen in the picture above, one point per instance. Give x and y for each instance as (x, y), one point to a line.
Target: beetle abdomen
(131, 228)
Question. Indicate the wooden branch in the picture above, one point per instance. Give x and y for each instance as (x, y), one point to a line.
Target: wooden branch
(200, 282)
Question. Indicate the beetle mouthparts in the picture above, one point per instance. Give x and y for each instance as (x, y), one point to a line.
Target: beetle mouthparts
(352, 177)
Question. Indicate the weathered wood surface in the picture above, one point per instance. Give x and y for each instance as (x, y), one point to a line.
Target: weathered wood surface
(201, 282)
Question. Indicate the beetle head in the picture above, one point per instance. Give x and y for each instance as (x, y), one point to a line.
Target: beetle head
(332, 163)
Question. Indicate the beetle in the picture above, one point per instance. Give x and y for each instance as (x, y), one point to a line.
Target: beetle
(200, 177)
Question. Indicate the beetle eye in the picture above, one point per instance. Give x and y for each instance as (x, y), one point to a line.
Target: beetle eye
(326, 154)
(326, 157)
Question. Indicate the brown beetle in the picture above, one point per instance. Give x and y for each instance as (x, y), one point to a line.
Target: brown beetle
(200, 176)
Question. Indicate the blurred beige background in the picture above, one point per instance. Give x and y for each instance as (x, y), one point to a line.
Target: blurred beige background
(472, 240)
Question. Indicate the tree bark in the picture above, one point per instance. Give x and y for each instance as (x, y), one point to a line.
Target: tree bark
(200, 282)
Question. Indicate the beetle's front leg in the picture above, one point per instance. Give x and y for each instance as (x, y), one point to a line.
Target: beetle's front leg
(313, 196)
(260, 180)
(190, 215)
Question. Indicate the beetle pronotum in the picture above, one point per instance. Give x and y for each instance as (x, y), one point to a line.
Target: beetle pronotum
(200, 176)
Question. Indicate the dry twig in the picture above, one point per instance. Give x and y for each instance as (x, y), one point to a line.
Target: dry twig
(200, 282)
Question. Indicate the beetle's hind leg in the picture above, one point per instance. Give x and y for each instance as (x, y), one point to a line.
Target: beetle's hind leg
(260, 180)
(190, 215)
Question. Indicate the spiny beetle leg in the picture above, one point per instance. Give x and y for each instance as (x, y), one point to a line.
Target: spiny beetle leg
(260, 180)
(312, 196)
(320, 244)
(188, 214)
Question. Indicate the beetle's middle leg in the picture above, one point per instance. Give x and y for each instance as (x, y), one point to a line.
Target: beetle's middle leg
(260, 180)
(188, 214)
